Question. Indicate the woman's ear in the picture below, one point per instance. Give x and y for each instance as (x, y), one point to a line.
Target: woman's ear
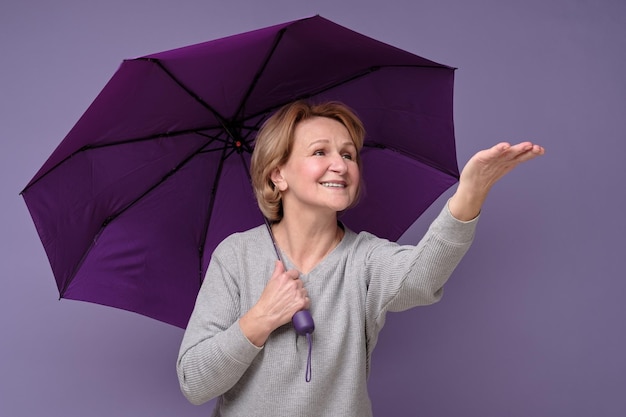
(278, 180)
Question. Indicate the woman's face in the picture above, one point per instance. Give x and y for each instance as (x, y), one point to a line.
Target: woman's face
(321, 174)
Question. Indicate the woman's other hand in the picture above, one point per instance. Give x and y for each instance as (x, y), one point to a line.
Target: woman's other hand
(283, 296)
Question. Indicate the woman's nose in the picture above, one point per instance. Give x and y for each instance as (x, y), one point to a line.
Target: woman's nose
(338, 163)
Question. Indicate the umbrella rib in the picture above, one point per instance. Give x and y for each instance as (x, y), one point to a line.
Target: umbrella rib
(122, 142)
(223, 121)
(356, 76)
(216, 182)
(112, 217)
(260, 72)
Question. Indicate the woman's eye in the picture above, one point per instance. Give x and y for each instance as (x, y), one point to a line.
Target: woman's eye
(348, 156)
(319, 153)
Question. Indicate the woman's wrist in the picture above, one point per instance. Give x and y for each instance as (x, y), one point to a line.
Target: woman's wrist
(465, 204)
(255, 328)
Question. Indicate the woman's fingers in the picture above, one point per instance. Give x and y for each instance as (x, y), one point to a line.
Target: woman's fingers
(483, 170)
(490, 165)
(283, 295)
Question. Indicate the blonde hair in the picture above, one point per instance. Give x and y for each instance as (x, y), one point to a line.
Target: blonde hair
(275, 141)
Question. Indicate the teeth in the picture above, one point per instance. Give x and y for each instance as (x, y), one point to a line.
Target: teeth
(332, 185)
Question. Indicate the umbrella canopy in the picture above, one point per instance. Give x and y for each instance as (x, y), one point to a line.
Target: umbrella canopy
(153, 176)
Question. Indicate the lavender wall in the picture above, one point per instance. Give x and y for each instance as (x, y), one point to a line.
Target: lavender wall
(532, 323)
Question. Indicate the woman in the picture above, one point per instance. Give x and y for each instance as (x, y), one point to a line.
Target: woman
(240, 345)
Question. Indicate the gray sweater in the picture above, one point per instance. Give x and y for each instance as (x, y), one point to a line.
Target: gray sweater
(351, 291)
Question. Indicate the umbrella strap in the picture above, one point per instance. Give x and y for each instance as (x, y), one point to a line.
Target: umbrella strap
(307, 375)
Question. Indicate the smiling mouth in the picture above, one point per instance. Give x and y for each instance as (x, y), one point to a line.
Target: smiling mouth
(333, 185)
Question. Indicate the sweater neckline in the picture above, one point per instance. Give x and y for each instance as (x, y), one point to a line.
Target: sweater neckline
(323, 265)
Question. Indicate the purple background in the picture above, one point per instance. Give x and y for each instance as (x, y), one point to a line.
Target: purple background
(533, 321)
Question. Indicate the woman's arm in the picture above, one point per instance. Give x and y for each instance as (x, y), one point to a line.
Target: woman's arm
(214, 353)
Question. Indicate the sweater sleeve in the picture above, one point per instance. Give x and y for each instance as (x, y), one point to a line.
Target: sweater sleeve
(402, 277)
(214, 353)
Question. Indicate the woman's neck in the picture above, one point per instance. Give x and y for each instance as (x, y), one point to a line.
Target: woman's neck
(307, 243)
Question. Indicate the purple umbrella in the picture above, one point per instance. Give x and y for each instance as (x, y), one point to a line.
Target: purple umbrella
(153, 176)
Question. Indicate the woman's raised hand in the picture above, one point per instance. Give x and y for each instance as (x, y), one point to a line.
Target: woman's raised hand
(483, 170)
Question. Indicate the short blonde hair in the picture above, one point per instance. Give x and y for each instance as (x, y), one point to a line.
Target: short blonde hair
(274, 143)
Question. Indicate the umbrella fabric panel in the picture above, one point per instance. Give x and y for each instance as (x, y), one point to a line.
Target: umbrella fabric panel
(125, 269)
(69, 210)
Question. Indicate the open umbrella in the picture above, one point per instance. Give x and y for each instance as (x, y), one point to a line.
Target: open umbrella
(153, 176)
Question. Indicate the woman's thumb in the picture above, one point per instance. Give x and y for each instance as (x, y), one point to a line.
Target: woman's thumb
(279, 268)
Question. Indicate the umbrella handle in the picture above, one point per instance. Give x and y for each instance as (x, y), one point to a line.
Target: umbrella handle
(302, 320)
(303, 323)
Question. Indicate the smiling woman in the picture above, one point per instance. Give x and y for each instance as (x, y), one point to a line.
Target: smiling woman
(239, 344)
